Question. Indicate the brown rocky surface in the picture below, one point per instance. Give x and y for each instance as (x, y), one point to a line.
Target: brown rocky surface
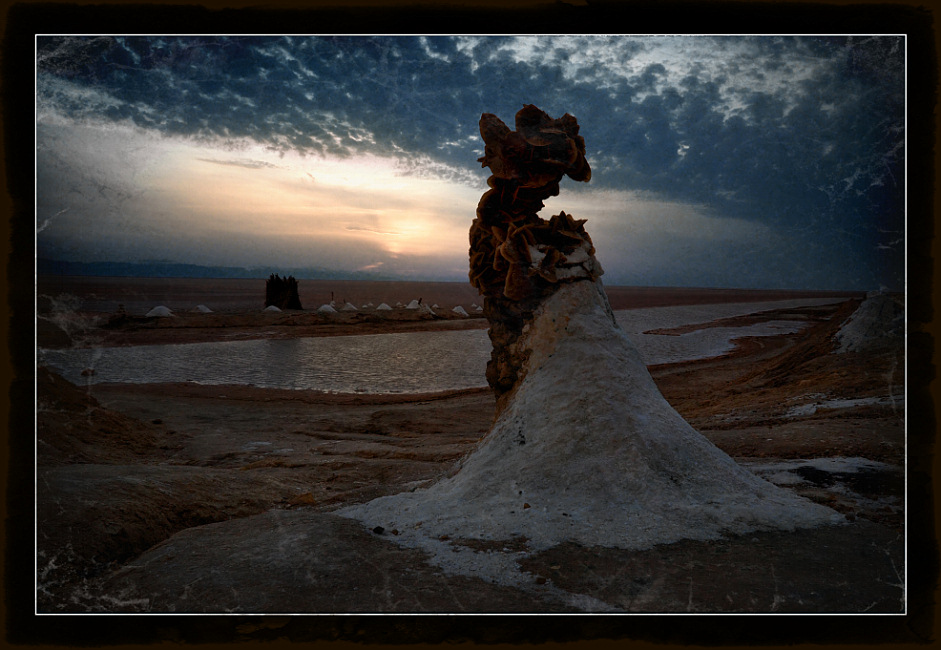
(108, 518)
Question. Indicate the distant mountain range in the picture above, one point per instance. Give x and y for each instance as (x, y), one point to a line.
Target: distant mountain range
(164, 269)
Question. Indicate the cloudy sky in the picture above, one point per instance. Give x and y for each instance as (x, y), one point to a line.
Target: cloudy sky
(758, 162)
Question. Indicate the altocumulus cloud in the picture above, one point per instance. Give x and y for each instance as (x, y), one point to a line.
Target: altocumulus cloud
(764, 161)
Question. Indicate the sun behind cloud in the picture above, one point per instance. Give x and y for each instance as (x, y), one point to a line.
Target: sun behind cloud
(321, 203)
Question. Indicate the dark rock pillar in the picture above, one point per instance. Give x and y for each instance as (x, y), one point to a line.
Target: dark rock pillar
(518, 259)
(282, 292)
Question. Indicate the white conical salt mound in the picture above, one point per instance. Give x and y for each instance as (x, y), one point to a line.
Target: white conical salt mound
(348, 307)
(383, 307)
(588, 450)
(413, 305)
(326, 309)
(202, 309)
(460, 311)
(160, 312)
(271, 308)
(877, 322)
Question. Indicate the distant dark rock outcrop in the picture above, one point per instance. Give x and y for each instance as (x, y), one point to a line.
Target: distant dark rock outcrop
(282, 292)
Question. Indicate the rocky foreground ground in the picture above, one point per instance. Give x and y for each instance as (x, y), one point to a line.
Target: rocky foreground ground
(184, 498)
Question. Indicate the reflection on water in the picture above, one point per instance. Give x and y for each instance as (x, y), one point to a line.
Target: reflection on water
(413, 362)
(381, 363)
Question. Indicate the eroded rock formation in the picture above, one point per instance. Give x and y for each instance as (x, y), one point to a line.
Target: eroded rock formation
(282, 292)
(517, 259)
(583, 448)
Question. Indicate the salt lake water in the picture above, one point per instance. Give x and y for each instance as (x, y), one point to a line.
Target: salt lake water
(412, 362)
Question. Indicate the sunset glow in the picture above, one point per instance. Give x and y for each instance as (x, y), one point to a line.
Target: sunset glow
(718, 161)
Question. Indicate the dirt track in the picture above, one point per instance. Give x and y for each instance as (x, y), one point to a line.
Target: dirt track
(185, 498)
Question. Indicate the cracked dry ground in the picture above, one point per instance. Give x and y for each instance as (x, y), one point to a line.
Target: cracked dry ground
(219, 498)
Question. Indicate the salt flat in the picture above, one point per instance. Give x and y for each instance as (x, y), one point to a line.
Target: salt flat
(707, 342)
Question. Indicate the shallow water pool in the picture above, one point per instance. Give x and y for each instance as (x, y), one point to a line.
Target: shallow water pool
(413, 362)
(379, 363)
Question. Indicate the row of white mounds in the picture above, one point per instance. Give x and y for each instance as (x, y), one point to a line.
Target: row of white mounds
(414, 305)
(162, 311)
(329, 308)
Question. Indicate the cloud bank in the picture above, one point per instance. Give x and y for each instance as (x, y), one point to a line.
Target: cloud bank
(729, 161)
